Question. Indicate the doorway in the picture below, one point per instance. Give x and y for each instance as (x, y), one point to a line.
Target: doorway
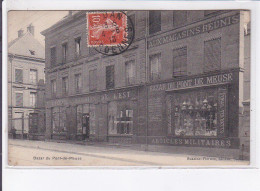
(85, 125)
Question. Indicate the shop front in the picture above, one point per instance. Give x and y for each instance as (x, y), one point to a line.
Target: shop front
(121, 115)
(197, 111)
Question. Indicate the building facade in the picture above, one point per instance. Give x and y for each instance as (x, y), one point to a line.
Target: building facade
(180, 83)
(26, 86)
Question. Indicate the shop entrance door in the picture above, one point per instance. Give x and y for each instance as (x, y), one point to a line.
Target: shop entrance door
(85, 125)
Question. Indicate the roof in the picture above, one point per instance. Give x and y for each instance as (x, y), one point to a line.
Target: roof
(64, 20)
(28, 46)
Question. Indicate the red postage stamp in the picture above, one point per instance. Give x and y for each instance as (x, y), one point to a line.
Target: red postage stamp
(106, 28)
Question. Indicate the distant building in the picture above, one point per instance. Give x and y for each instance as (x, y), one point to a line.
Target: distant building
(26, 86)
(180, 83)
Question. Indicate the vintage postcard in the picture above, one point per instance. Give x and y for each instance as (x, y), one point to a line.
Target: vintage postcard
(129, 88)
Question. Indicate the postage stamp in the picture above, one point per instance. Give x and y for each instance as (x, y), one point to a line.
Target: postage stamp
(109, 33)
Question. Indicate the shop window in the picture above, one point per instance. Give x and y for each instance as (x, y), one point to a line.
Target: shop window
(33, 99)
(65, 85)
(64, 52)
(53, 56)
(19, 99)
(53, 88)
(155, 67)
(179, 18)
(63, 118)
(180, 62)
(58, 120)
(154, 21)
(130, 72)
(79, 119)
(120, 119)
(18, 75)
(78, 83)
(198, 112)
(110, 81)
(78, 46)
(33, 76)
(93, 80)
(212, 55)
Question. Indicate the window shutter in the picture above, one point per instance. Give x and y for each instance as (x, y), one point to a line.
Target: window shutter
(212, 55)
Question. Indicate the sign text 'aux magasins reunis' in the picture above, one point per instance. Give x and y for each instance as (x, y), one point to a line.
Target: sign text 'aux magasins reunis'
(202, 28)
(194, 82)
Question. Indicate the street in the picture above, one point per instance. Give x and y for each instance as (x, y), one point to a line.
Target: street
(40, 153)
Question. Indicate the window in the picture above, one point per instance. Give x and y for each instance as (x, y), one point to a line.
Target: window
(64, 52)
(154, 21)
(120, 118)
(19, 99)
(78, 83)
(198, 112)
(155, 67)
(210, 12)
(179, 18)
(77, 44)
(93, 80)
(180, 61)
(65, 85)
(130, 72)
(110, 77)
(32, 99)
(19, 75)
(53, 88)
(212, 55)
(53, 56)
(33, 76)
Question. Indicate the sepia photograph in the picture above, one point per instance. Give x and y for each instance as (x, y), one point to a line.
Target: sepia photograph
(160, 88)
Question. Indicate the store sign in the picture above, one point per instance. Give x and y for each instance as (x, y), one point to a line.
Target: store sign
(120, 95)
(196, 142)
(195, 82)
(207, 27)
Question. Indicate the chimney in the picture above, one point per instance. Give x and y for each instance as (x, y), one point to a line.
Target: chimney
(20, 33)
(30, 29)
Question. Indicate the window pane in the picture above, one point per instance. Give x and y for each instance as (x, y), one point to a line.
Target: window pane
(154, 21)
(93, 80)
(179, 18)
(212, 55)
(65, 85)
(53, 56)
(19, 99)
(19, 75)
(130, 72)
(78, 82)
(180, 61)
(64, 52)
(33, 99)
(155, 66)
(33, 76)
(110, 77)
